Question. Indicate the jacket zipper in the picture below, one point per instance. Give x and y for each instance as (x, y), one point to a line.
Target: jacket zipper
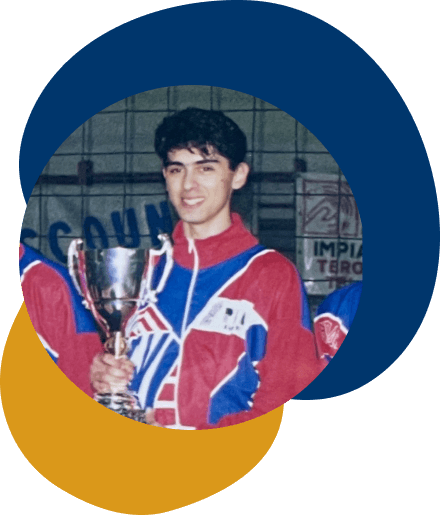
(192, 249)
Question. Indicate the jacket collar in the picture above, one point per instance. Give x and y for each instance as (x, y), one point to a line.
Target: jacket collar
(216, 249)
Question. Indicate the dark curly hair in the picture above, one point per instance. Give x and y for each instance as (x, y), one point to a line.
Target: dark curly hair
(201, 129)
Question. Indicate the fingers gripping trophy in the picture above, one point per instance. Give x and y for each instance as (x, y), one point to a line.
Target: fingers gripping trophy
(112, 282)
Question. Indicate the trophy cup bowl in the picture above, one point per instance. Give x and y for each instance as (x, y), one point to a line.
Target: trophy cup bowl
(110, 282)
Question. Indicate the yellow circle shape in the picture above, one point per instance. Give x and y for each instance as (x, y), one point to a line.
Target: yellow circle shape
(110, 461)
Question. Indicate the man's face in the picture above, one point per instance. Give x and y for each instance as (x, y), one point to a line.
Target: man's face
(200, 188)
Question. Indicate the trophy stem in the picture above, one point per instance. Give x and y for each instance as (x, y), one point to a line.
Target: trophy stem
(116, 345)
(119, 345)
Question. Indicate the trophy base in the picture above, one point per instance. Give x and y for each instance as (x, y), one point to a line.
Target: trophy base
(122, 403)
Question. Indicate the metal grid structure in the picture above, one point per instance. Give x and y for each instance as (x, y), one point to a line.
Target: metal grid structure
(105, 174)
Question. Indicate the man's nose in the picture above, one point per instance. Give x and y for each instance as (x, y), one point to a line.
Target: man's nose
(189, 180)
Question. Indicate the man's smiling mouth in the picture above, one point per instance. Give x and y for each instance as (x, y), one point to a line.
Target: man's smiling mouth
(192, 201)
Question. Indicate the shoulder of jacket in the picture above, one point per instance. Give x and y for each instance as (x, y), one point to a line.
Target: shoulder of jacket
(272, 258)
(276, 266)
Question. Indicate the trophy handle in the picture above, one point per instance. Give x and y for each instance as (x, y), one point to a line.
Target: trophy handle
(147, 292)
(72, 262)
(77, 271)
(167, 248)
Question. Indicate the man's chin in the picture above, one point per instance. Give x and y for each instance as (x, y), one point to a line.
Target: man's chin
(191, 218)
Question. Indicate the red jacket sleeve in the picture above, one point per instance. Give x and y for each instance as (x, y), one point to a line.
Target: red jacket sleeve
(329, 335)
(48, 302)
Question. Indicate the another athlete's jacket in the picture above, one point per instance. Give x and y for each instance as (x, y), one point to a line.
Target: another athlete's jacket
(228, 338)
(65, 327)
(334, 318)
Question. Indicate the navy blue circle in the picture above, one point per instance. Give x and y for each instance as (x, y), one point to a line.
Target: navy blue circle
(324, 80)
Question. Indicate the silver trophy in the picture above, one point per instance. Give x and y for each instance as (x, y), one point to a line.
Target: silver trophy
(112, 281)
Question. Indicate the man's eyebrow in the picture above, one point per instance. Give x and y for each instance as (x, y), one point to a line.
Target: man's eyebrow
(173, 163)
(204, 161)
(201, 162)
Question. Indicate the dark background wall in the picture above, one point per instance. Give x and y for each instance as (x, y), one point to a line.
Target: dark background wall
(104, 182)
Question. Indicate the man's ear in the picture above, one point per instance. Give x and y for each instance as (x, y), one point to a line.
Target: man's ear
(240, 176)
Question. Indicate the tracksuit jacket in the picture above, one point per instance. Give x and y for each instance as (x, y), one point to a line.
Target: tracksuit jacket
(65, 327)
(229, 336)
(334, 317)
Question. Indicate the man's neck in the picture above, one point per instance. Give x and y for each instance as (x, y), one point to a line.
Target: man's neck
(206, 230)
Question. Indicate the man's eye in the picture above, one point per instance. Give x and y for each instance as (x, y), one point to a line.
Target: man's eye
(207, 169)
(173, 170)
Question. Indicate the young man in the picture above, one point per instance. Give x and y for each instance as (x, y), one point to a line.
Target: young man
(228, 337)
(333, 319)
(65, 327)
